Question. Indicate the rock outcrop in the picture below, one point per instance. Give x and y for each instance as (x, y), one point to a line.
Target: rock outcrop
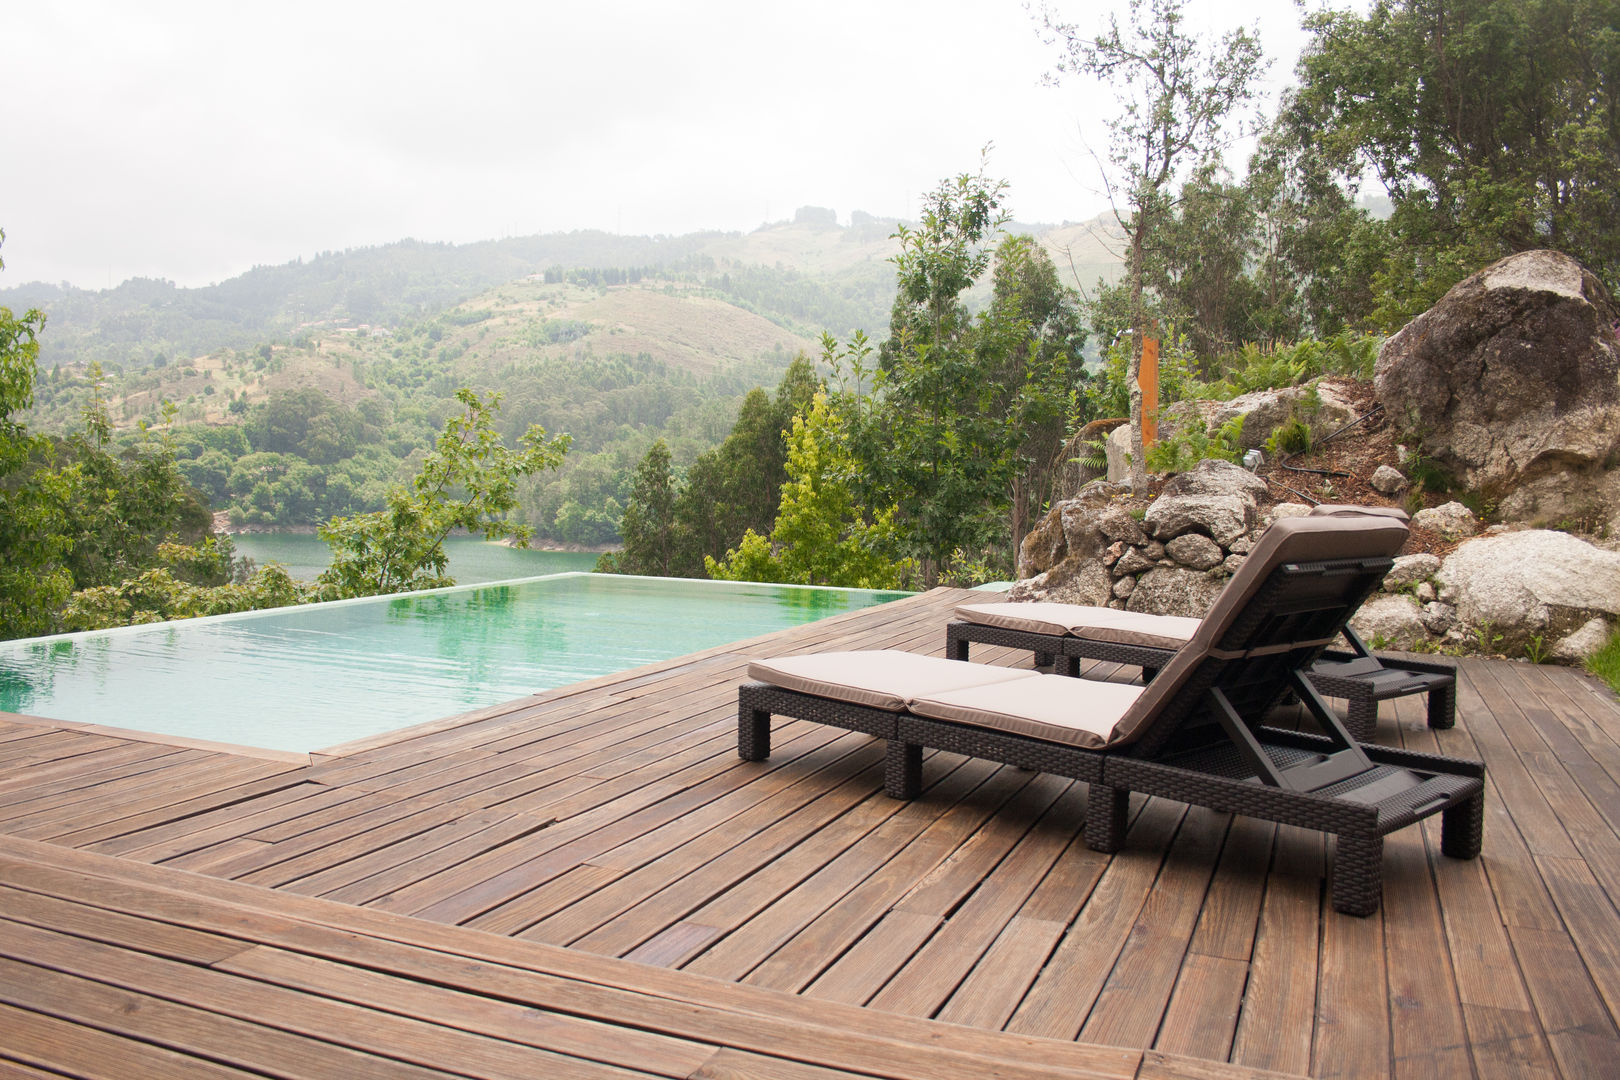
(1090, 550)
(1520, 593)
(1533, 584)
(1512, 384)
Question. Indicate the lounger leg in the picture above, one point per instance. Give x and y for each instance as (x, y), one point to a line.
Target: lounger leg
(902, 770)
(1148, 673)
(1107, 811)
(1358, 874)
(753, 733)
(1462, 828)
(1045, 659)
(956, 648)
(1071, 666)
(1443, 707)
(1361, 719)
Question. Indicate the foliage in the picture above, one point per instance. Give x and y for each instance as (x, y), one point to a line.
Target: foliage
(735, 487)
(469, 481)
(1605, 663)
(925, 448)
(1028, 344)
(33, 583)
(166, 592)
(821, 536)
(1493, 124)
(671, 526)
(1185, 449)
(1108, 393)
(649, 519)
(1175, 95)
(1291, 437)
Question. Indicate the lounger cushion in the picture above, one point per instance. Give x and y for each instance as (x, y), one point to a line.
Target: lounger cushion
(1081, 621)
(1051, 707)
(878, 678)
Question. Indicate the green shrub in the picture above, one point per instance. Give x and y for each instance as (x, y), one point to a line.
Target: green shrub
(1254, 367)
(1185, 449)
(1605, 663)
(1294, 437)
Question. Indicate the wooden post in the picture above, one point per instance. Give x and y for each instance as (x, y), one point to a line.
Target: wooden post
(1148, 380)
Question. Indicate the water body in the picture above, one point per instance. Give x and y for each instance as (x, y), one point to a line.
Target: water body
(473, 560)
(302, 678)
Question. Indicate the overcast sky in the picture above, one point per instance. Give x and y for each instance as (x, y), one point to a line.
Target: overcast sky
(192, 141)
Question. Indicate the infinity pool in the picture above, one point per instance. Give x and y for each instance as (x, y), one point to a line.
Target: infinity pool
(310, 677)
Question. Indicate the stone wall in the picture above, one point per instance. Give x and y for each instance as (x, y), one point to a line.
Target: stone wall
(1514, 592)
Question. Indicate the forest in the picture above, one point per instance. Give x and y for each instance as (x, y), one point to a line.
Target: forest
(894, 422)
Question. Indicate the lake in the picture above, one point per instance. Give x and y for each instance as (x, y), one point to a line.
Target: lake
(472, 560)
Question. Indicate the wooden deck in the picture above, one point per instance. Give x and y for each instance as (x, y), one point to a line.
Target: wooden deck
(468, 900)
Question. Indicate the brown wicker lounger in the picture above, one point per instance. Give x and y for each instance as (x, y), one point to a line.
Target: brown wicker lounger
(1193, 734)
(1064, 634)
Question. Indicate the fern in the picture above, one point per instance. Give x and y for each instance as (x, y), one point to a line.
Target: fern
(1185, 449)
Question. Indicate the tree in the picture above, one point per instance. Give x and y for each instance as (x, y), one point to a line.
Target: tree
(1028, 342)
(649, 518)
(33, 582)
(821, 536)
(926, 451)
(1175, 98)
(736, 486)
(1493, 124)
(469, 481)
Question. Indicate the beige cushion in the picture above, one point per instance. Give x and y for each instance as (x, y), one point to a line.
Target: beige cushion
(878, 678)
(1075, 712)
(1029, 618)
(1081, 621)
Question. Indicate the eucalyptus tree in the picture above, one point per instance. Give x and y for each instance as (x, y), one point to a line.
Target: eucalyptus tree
(1176, 96)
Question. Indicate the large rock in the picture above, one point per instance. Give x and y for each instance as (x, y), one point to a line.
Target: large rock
(1117, 454)
(1319, 405)
(1589, 639)
(1452, 520)
(1534, 583)
(1085, 581)
(1510, 381)
(1213, 476)
(1167, 591)
(1391, 622)
(1073, 528)
(1409, 570)
(1223, 518)
(1062, 557)
(1195, 551)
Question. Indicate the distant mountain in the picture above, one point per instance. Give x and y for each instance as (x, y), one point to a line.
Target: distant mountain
(302, 391)
(810, 274)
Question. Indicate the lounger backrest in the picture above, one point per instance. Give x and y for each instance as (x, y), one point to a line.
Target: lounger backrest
(1270, 614)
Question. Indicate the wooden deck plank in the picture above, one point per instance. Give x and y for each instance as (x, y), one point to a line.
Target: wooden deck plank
(1061, 1000)
(1276, 1029)
(615, 816)
(771, 1025)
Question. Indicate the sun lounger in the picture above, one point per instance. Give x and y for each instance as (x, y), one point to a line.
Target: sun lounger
(1195, 733)
(1064, 634)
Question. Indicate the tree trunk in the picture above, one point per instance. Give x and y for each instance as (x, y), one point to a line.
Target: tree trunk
(1133, 373)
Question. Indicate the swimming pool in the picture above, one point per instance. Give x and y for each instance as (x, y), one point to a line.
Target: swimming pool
(304, 678)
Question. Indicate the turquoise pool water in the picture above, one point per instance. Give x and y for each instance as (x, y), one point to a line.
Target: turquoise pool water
(310, 677)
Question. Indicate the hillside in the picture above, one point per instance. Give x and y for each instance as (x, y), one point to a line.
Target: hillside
(301, 391)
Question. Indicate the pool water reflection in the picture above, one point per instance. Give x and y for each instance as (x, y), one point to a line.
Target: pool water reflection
(310, 677)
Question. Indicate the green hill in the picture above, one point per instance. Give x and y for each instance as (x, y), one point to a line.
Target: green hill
(302, 391)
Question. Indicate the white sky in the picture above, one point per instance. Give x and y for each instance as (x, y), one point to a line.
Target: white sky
(191, 141)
